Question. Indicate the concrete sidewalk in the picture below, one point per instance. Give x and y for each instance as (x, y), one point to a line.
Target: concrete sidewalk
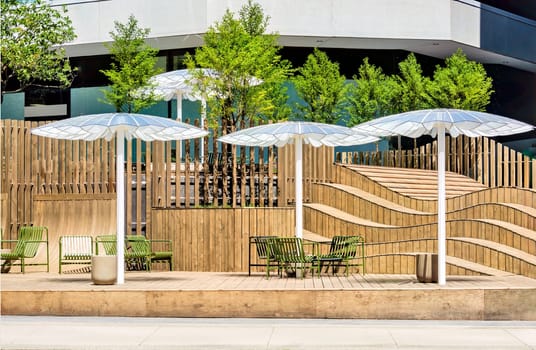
(29, 332)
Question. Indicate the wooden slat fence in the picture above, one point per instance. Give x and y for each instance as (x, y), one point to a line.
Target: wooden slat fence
(223, 176)
(483, 159)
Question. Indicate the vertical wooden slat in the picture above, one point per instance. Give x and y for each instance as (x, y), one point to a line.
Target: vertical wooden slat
(196, 174)
(512, 164)
(215, 166)
(519, 168)
(262, 177)
(500, 165)
(507, 165)
(187, 174)
(487, 175)
(128, 188)
(167, 183)
(139, 187)
(526, 171)
(83, 166)
(493, 163)
(271, 186)
(148, 186)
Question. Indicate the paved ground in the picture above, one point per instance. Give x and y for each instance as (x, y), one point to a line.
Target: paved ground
(73, 333)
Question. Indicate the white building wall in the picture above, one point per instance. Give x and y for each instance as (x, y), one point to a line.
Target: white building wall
(429, 27)
(367, 19)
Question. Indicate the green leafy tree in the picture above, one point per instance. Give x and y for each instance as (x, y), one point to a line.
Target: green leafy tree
(369, 95)
(31, 47)
(134, 63)
(247, 75)
(410, 87)
(321, 87)
(461, 84)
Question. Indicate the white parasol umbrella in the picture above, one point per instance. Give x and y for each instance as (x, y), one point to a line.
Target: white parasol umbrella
(180, 84)
(125, 125)
(436, 122)
(298, 133)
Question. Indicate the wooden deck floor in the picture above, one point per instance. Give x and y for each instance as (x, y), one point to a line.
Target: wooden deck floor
(192, 281)
(193, 294)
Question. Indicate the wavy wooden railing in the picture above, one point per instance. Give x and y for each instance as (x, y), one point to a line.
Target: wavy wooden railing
(490, 230)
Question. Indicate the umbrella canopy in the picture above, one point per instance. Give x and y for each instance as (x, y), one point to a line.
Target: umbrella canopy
(125, 125)
(436, 122)
(177, 84)
(180, 84)
(298, 133)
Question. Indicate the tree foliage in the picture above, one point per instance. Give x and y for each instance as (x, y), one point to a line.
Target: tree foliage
(411, 87)
(369, 95)
(132, 67)
(31, 47)
(461, 84)
(248, 74)
(321, 87)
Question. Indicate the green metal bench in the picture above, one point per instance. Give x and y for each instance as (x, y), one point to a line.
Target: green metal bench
(289, 254)
(27, 245)
(139, 253)
(261, 248)
(348, 251)
(75, 250)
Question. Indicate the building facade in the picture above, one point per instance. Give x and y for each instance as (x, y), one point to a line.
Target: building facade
(500, 36)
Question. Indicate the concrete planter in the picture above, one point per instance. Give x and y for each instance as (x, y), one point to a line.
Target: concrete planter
(426, 267)
(104, 269)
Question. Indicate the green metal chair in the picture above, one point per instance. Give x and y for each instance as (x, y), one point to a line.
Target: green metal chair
(137, 252)
(290, 255)
(27, 245)
(164, 253)
(345, 251)
(75, 250)
(108, 242)
(261, 247)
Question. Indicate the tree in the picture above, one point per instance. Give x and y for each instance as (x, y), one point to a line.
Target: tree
(411, 87)
(461, 84)
(248, 73)
(370, 95)
(132, 67)
(32, 37)
(321, 87)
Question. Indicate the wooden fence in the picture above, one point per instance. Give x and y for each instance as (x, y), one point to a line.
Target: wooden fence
(485, 160)
(223, 176)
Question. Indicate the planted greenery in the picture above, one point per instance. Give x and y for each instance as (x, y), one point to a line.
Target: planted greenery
(134, 63)
(33, 34)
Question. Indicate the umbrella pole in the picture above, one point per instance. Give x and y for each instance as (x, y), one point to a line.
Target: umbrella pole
(441, 210)
(299, 189)
(120, 204)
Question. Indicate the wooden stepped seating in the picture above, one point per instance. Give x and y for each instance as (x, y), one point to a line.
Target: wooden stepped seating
(491, 231)
(405, 262)
(373, 199)
(421, 184)
(336, 213)
(472, 266)
(497, 231)
(516, 214)
(496, 255)
(365, 205)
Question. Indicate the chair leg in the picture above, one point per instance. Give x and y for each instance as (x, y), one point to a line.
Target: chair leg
(6, 266)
